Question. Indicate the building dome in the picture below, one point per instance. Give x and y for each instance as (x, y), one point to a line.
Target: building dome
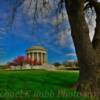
(37, 48)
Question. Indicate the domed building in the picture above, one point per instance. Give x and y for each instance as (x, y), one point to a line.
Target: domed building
(38, 54)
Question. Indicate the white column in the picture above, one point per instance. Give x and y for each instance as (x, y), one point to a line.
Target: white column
(33, 56)
(37, 56)
(41, 58)
(29, 55)
(45, 58)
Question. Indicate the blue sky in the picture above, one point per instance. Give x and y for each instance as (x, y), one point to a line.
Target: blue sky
(48, 32)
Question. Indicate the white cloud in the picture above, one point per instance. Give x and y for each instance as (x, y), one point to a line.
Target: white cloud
(71, 60)
(71, 54)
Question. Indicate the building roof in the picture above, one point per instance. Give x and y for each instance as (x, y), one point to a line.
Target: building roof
(37, 48)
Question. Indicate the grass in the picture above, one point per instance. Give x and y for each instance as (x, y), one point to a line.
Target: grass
(38, 85)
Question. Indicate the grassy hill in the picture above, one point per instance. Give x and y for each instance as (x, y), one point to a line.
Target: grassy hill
(38, 85)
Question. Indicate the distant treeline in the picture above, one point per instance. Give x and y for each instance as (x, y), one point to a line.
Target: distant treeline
(67, 64)
(2, 66)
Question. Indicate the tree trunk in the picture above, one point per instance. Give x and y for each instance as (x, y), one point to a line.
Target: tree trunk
(89, 79)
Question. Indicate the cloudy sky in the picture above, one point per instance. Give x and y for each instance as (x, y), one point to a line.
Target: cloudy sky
(50, 31)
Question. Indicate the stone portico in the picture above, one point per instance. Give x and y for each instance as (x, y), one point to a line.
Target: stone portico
(38, 53)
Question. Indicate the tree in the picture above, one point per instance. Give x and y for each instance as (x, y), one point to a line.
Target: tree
(69, 64)
(34, 62)
(13, 63)
(57, 64)
(88, 56)
(27, 60)
(20, 60)
(87, 51)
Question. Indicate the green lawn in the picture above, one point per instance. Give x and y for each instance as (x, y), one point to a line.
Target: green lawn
(38, 85)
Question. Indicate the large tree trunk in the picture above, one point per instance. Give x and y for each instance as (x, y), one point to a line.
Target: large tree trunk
(89, 79)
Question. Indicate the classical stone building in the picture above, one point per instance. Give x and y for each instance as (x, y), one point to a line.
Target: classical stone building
(37, 53)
